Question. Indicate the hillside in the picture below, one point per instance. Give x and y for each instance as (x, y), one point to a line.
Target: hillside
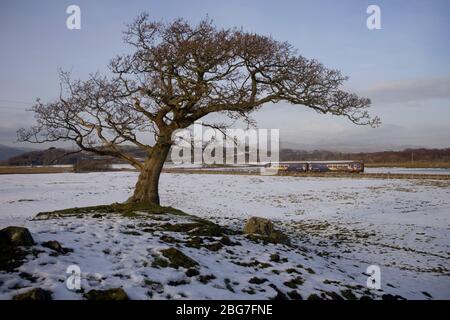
(404, 156)
(7, 152)
(57, 156)
(53, 156)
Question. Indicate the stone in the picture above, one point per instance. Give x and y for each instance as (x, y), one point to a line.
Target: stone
(36, 294)
(178, 258)
(109, 294)
(256, 225)
(265, 228)
(16, 236)
(56, 246)
(192, 272)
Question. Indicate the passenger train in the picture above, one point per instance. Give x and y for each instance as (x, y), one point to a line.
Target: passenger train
(319, 166)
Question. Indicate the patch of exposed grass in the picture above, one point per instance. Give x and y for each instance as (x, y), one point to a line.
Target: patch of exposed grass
(125, 209)
(294, 283)
(199, 227)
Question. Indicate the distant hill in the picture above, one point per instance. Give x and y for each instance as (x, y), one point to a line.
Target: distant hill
(7, 152)
(406, 155)
(41, 157)
(54, 156)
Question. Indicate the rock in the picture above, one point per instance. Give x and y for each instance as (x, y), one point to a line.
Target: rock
(259, 226)
(110, 294)
(216, 246)
(16, 236)
(178, 258)
(37, 294)
(192, 272)
(264, 227)
(56, 246)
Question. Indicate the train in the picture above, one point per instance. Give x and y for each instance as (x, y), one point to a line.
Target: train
(353, 166)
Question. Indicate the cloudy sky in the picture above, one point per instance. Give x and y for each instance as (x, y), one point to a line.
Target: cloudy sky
(404, 67)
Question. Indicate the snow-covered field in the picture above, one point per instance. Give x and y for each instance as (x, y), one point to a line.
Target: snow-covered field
(395, 170)
(338, 227)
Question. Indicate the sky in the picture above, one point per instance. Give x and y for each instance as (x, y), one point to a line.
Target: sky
(404, 67)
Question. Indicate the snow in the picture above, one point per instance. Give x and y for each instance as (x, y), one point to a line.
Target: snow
(339, 226)
(400, 170)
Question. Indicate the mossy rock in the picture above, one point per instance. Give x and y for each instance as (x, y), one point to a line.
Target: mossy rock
(36, 294)
(259, 226)
(56, 246)
(16, 236)
(109, 294)
(263, 229)
(178, 259)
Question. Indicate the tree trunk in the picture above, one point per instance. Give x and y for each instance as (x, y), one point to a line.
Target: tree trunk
(146, 189)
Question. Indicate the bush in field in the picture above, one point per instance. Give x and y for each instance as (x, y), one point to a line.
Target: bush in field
(92, 165)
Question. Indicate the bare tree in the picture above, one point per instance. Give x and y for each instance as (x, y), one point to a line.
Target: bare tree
(178, 74)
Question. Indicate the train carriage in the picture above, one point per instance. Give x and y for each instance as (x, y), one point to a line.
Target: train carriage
(320, 166)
